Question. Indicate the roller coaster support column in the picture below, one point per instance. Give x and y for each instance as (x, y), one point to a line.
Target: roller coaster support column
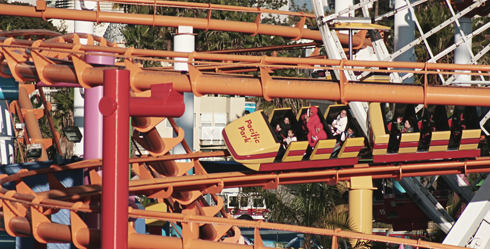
(184, 41)
(93, 119)
(462, 54)
(404, 34)
(116, 109)
(93, 126)
(84, 97)
(114, 106)
(361, 204)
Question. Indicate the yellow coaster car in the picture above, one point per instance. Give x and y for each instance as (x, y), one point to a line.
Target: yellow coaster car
(254, 142)
(420, 144)
(261, 143)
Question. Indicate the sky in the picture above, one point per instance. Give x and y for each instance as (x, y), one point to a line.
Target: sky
(301, 2)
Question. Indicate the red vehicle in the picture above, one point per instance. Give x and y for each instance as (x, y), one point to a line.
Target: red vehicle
(249, 206)
(402, 212)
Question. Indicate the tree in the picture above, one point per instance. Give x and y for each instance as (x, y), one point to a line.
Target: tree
(430, 15)
(64, 117)
(205, 41)
(482, 40)
(8, 23)
(161, 37)
(309, 204)
(269, 106)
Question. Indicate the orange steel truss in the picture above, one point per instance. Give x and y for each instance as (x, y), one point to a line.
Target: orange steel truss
(252, 28)
(16, 222)
(191, 188)
(60, 60)
(77, 71)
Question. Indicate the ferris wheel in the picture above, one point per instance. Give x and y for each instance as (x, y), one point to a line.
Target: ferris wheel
(408, 33)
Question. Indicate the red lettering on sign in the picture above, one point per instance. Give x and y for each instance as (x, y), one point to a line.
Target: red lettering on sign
(253, 134)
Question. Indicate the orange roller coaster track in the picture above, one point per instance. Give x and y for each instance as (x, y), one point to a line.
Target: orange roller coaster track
(84, 237)
(207, 182)
(252, 28)
(41, 203)
(59, 60)
(46, 67)
(209, 6)
(199, 83)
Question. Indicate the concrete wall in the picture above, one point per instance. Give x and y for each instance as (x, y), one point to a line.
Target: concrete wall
(236, 108)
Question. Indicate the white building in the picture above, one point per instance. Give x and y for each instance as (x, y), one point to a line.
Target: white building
(211, 115)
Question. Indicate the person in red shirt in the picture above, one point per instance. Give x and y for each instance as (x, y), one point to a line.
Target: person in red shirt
(317, 134)
(313, 120)
(315, 131)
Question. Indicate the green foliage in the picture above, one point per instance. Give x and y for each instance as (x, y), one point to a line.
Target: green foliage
(302, 204)
(310, 204)
(310, 22)
(381, 7)
(8, 23)
(269, 106)
(433, 13)
(62, 116)
(161, 37)
(146, 37)
(475, 178)
(482, 40)
(43, 125)
(64, 104)
(430, 16)
(333, 220)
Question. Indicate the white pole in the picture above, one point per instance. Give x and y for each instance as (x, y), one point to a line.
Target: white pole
(184, 42)
(342, 5)
(83, 26)
(462, 54)
(404, 34)
(79, 105)
(78, 111)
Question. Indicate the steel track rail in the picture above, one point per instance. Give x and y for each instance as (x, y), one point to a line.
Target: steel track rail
(205, 182)
(20, 224)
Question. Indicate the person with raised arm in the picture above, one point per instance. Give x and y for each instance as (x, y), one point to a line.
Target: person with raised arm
(340, 123)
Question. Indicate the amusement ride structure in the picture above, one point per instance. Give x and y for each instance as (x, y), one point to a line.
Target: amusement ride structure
(149, 95)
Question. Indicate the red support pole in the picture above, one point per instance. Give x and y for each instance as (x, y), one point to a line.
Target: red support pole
(114, 106)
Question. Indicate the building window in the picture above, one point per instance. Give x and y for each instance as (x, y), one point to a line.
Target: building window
(212, 125)
(220, 119)
(244, 201)
(258, 202)
(233, 201)
(206, 119)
